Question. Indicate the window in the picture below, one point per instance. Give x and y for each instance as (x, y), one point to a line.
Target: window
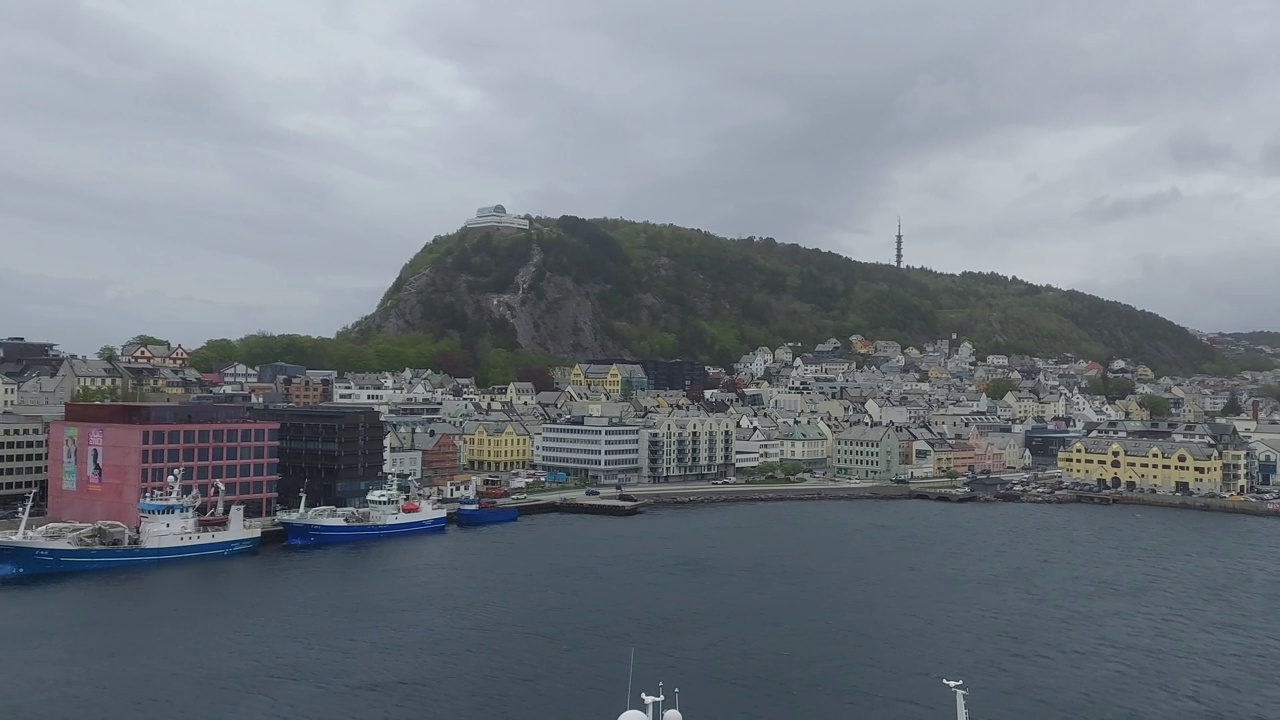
(203, 436)
(144, 474)
(146, 437)
(271, 486)
(246, 470)
(202, 454)
(259, 452)
(259, 435)
(271, 468)
(231, 471)
(217, 436)
(157, 437)
(246, 435)
(273, 435)
(246, 452)
(157, 474)
(146, 456)
(172, 456)
(188, 436)
(257, 487)
(202, 473)
(189, 454)
(215, 471)
(244, 488)
(259, 469)
(217, 453)
(174, 437)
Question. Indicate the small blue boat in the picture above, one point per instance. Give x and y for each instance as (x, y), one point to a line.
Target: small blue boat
(168, 530)
(487, 512)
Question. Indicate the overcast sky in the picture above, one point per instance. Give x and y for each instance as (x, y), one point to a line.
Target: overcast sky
(208, 168)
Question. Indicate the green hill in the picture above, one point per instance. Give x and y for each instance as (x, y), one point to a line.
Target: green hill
(576, 289)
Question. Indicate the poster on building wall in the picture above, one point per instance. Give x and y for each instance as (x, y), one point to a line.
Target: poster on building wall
(94, 461)
(70, 457)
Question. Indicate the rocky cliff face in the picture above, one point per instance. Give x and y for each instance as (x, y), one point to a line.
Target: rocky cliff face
(545, 311)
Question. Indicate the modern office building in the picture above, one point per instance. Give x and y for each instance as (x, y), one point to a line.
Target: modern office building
(597, 449)
(24, 458)
(106, 455)
(336, 451)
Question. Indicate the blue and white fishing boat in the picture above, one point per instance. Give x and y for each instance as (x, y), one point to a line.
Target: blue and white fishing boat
(388, 513)
(169, 529)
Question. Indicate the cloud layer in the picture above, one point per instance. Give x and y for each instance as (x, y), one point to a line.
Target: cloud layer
(211, 168)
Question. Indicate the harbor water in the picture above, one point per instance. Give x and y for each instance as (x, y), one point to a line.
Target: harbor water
(774, 611)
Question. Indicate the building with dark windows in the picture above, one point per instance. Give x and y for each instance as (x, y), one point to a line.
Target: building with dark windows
(336, 451)
(104, 456)
(666, 374)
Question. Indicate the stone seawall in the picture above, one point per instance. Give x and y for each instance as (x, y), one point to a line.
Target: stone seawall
(766, 495)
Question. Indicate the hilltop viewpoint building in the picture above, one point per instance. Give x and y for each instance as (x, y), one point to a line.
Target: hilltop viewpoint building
(496, 216)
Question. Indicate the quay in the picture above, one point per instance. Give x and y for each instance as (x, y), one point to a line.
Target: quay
(944, 495)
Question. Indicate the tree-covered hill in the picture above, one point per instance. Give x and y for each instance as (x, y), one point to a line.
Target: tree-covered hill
(574, 289)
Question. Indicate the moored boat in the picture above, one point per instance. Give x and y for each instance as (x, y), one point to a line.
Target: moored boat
(388, 513)
(484, 512)
(674, 713)
(168, 530)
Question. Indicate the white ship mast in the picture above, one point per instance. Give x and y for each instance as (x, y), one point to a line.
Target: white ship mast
(961, 712)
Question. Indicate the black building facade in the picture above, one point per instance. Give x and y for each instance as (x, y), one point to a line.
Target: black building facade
(337, 452)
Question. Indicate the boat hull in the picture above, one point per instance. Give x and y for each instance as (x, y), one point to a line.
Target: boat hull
(20, 559)
(468, 517)
(319, 532)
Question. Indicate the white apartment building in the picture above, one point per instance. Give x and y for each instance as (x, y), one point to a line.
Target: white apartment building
(687, 449)
(598, 449)
(752, 446)
(8, 393)
(238, 373)
(496, 216)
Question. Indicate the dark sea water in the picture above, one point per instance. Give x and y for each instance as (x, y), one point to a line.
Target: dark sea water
(840, 610)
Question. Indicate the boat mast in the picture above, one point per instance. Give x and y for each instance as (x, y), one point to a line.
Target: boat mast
(26, 515)
(961, 712)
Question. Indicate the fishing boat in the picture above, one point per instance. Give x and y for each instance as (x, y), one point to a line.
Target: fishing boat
(484, 512)
(674, 713)
(169, 529)
(388, 512)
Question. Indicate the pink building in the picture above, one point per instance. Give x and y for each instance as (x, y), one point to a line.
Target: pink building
(104, 456)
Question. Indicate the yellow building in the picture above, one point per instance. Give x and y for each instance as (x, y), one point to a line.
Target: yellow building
(609, 378)
(497, 446)
(1143, 464)
(937, 372)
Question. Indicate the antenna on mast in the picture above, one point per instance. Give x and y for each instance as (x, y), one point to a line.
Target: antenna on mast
(898, 257)
(631, 674)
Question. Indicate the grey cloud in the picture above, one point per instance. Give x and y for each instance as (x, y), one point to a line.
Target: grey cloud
(304, 162)
(1110, 208)
(1194, 149)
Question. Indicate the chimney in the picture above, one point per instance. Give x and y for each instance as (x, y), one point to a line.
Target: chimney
(1256, 405)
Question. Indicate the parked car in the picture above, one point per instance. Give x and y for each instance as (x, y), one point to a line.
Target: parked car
(520, 496)
(592, 491)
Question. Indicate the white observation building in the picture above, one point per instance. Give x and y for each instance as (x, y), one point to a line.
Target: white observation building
(496, 216)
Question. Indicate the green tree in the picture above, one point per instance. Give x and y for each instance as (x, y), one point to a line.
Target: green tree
(1157, 405)
(998, 388)
(1233, 407)
(100, 393)
(146, 340)
(951, 474)
(108, 352)
(790, 468)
